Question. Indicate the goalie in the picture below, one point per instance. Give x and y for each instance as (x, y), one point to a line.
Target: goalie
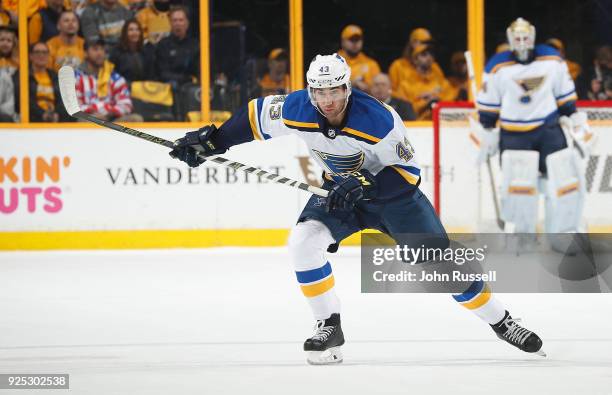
(543, 140)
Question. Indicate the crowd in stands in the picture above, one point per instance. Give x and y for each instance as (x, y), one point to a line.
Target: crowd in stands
(116, 47)
(139, 60)
(417, 80)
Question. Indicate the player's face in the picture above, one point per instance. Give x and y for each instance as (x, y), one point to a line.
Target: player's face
(521, 41)
(331, 101)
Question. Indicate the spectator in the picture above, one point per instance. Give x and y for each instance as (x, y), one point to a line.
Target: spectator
(425, 86)
(591, 84)
(43, 25)
(381, 89)
(276, 80)
(67, 47)
(154, 20)
(178, 55)
(133, 59)
(100, 89)
(573, 67)
(458, 77)
(608, 88)
(32, 7)
(7, 97)
(9, 58)
(5, 17)
(402, 69)
(104, 20)
(45, 101)
(363, 68)
(10, 7)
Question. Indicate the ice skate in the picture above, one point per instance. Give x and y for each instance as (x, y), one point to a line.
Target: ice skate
(509, 331)
(323, 348)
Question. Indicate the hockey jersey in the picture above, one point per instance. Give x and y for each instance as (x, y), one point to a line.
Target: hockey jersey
(526, 96)
(372, 137)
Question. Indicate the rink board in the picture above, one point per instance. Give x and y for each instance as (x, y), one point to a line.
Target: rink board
(92, 188)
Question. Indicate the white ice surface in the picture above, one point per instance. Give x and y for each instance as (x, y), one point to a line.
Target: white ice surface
(232, 321)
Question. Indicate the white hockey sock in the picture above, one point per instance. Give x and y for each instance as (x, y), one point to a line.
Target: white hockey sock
(308, 243)
(479, 299)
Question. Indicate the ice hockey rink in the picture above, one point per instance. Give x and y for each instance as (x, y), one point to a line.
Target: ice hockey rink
(232, 321)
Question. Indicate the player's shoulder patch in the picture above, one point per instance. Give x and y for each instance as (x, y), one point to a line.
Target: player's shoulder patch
(298, 112)
(369, 119)
(546, 52)
(500, 60)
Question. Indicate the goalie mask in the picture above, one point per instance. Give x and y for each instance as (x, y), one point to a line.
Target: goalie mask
(328, 71)
(521, 38)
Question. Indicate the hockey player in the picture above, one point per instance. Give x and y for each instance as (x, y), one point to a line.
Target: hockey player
(529, 90)
(372, 174)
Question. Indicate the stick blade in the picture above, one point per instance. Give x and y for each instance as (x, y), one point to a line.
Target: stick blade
(67, 85)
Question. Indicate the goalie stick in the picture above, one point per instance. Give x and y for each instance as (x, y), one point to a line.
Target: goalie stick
(67, 84)
(470, 67)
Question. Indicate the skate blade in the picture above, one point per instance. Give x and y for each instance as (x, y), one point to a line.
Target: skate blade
(330, 356)
(540, 353)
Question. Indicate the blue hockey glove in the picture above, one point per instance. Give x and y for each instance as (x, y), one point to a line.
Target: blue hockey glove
(346, 193)
(186, 148)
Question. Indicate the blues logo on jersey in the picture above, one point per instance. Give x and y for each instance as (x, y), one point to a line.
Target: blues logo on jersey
(339, 165)
(529, 85)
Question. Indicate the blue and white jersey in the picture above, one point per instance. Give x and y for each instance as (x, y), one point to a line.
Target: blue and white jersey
(525, 96)
(372, 137)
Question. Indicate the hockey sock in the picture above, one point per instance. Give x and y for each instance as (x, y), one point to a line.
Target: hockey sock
(308, 244)
(479, 299)
(318, 287)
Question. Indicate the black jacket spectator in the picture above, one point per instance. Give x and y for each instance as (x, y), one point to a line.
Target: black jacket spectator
(178, 60)
(178, 55)
(133, 59)
(134, 66)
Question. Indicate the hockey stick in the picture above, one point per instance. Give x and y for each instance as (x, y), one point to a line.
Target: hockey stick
(67, 83)
(471, 76)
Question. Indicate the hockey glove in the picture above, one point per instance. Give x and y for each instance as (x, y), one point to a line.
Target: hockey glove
(346, 193)
(186, 148)
(485, 140)
(579, 133)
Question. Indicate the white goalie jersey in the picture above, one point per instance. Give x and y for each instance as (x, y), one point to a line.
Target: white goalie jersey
(525, 96)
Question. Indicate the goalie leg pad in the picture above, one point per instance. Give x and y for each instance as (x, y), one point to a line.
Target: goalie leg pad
(565, 192)
(519, 191)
